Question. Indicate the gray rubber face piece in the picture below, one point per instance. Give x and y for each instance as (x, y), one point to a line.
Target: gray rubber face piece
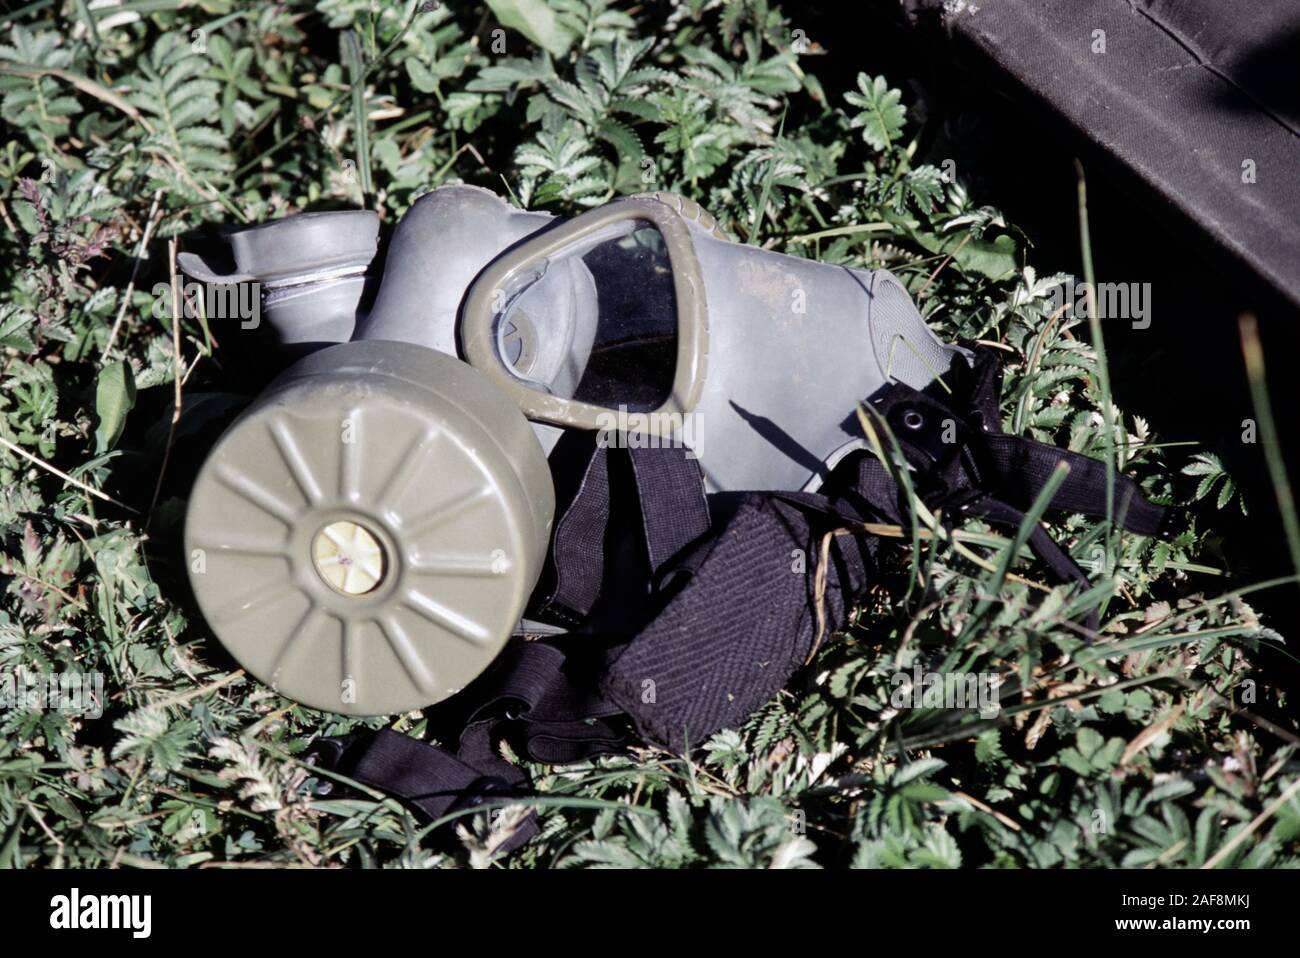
(364, 538)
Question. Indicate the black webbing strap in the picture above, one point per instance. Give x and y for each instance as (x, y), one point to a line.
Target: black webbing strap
(1043, 545)
(965, 463)
(962, 456)
(547, 695)
(671, 480)
(667, 480)
(430, 780)
(1016, 469)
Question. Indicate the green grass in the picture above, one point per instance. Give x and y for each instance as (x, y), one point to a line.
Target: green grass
(1161, 743)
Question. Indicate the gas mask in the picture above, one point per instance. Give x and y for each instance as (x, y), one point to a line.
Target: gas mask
(365, 538)
(637, 433)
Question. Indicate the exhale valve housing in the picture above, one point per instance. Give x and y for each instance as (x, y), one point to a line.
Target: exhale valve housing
(366, 536)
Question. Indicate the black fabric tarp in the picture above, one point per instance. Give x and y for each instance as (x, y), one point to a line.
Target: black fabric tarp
(1188, 94)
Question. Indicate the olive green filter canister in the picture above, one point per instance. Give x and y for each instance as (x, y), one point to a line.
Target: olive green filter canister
(365, 537)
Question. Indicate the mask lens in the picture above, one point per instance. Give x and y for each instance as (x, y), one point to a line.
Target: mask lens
(596, 322)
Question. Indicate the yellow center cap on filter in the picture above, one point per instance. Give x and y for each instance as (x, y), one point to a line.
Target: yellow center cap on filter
(348, 557)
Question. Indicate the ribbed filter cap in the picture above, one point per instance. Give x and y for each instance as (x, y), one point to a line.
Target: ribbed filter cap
(361, 539)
